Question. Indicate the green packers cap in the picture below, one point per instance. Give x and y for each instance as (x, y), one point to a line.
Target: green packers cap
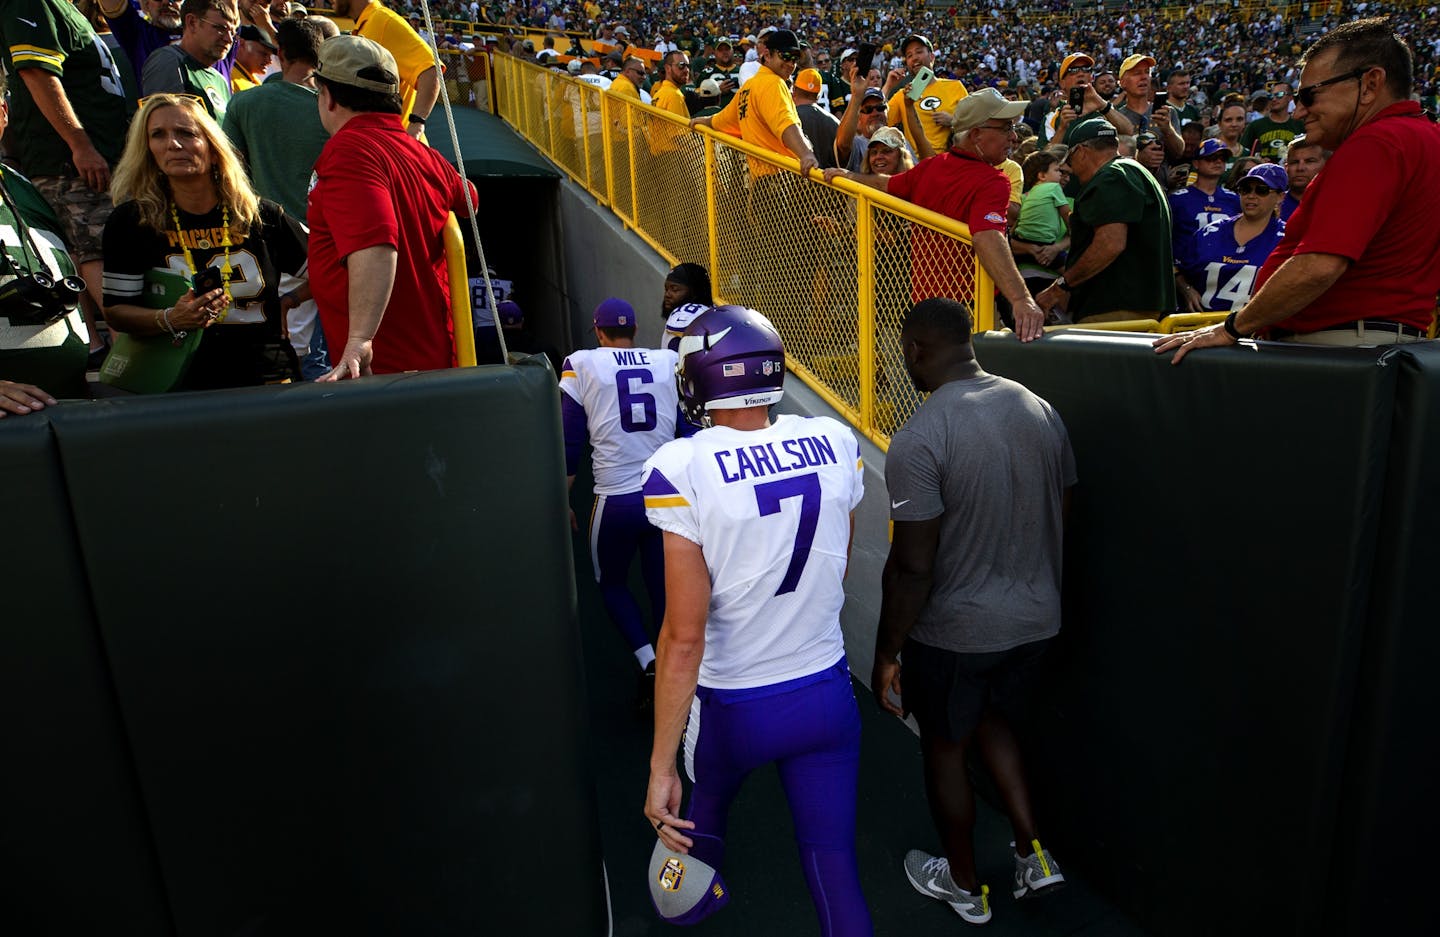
(353, 60)
(1091, 128)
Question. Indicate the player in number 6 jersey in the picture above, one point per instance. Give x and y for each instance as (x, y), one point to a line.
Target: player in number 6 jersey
(623, 399)
(752, 669)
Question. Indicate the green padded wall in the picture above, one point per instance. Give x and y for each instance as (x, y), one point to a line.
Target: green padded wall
(341, 623)
(1387, 809)
(75, 854)
(1189, 745)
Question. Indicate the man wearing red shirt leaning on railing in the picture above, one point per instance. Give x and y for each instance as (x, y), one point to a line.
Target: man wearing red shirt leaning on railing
(1356, 265)
(963, 183)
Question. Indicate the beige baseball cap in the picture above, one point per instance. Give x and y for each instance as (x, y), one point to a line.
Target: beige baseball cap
(354, 60)
(986, 104)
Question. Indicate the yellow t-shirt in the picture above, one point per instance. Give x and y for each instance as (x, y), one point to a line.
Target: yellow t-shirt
(384, 26)
(941, 96)
(1016, 175)
(667, 97)
(625, 88)
(665, 135)
(241, 80)
(761, 110)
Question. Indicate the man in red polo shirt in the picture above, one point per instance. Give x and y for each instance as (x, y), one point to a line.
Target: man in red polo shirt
(963, 183)
(379, 201)
(1357, 263)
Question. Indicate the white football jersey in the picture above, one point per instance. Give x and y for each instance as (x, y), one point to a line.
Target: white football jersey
(771, 510)
(630, 405)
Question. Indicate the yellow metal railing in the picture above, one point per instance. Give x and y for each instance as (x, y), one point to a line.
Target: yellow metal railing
(833, 266)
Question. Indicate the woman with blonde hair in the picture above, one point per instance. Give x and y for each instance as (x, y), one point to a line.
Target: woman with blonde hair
(193, 254)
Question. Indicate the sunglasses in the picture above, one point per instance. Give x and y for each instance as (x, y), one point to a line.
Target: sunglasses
(1145, 139)
(1306, 95)
(1253, 188)
(872, 109)
(788, 56)
(155, 97)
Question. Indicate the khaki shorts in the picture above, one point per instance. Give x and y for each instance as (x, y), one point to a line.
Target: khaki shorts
(82, 212)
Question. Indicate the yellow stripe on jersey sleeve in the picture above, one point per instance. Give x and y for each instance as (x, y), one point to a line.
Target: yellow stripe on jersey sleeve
(859, 463)
(666, 501)
(22, 54)
(565, 374)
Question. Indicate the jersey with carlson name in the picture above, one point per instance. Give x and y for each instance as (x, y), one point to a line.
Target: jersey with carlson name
(771, 510)
(630, 404)
(1223, 270)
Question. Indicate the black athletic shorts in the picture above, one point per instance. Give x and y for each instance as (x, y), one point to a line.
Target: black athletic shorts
(948, 692)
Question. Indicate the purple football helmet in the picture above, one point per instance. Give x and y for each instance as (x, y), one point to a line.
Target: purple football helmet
(730, 357)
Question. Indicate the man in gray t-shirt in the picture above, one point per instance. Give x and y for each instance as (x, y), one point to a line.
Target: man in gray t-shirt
(978, 479)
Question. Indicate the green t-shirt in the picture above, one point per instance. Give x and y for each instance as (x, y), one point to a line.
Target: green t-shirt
(49, 354)
(172, 70)
(1141, 279)
(280, 163)
(51, 36)
(1264, 137)
(1040, 221)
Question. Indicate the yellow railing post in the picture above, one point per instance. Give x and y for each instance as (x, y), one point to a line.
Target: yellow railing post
(984, 298)
(630, 148)
(584, 137)
(712, 215)
(606, 142)
(549, 115)
(865, 308)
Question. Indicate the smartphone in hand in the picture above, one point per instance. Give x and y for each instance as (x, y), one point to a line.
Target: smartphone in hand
(865, 58)
(1162, 99)
(211, 278)
(919, 83)
(1077, 99)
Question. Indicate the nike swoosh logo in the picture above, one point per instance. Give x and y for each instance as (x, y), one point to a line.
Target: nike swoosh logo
(897, 504)
(28, 23)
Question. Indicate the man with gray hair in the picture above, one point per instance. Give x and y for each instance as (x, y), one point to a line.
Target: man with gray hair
(963, 183)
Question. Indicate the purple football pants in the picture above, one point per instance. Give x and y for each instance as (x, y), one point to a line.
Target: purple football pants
(810, 728)
(619, 530)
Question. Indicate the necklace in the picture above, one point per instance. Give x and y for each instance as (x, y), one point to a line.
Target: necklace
(190, 260)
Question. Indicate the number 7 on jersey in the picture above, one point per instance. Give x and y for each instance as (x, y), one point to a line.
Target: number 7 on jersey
(768, 496)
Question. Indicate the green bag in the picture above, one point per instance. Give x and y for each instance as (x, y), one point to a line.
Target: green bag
(152, 364)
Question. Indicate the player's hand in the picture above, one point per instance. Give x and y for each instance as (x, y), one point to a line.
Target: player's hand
(1182, 343)
(91, 166)
(834, 173)
(354, 362)
(894, 80)
(21, 399)
(1029, 320)
(885, 677)
(662, 809)
(807, 163)
(1160, 117)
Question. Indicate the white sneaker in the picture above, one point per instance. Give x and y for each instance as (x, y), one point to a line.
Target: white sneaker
(931, 877)
(1036, 872)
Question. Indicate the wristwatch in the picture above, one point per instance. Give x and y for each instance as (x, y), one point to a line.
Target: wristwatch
(416, 119)
(1230, 328)
(1060, 282)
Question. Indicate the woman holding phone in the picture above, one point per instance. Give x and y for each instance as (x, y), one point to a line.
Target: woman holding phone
(191, 247)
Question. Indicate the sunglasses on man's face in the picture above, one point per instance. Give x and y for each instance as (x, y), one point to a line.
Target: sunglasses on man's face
(1145, 139)
(788, 56)
(1253, 188)
(1306, 95)
(872, 109)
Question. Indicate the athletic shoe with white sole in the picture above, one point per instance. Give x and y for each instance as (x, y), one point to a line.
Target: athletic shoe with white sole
(931, 877)
(1036, 872)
